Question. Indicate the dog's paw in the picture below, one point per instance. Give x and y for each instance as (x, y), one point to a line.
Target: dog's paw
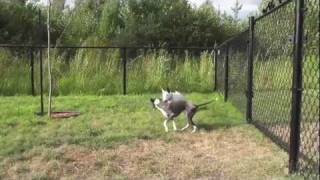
(184, 128)
(194, 129)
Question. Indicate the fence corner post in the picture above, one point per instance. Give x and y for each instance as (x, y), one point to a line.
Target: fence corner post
(249, 92)
(124, 66)
(296, 88)
(32, 72)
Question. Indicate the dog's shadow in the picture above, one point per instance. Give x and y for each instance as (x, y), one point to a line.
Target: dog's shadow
(216, 125)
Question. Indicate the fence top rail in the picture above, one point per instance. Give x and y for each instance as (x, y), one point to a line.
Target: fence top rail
(273, 10)
(98, 47)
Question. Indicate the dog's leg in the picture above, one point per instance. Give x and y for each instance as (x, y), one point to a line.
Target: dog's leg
(194, 129)
(190, 116)
(174, 124)
(165, 125)
(184, 128)
(187, 125)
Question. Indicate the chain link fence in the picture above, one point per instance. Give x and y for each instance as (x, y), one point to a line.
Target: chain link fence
(274, 100)
(309, 143)
(257, 70)
(237, 66)
(220, 69)
(272, 74)
(18, 67)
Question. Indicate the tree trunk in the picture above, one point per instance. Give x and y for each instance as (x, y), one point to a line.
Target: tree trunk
(49, 62)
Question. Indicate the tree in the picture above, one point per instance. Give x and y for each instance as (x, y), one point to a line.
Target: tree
(18, 22)
(49, 62)
(206, 26)
(236, 9)
(19, 2)
(111, 20)
(119, 22)
(58, 4)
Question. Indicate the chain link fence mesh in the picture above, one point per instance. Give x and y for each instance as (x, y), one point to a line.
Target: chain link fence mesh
(185, 70)
(15, 65)
(272, 73)
(220, 63)
(238, 68)
(309, 142)
(272, 78)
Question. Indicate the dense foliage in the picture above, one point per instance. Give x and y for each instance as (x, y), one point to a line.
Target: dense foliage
(118, 22)
(112, 22)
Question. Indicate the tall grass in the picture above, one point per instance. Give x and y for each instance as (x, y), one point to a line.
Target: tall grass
(187, 73)
(14, 73)
(100, 72)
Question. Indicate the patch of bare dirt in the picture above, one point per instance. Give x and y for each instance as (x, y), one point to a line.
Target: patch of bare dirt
(234, 153)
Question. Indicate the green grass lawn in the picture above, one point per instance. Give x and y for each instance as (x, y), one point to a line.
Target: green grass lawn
(30, 146)
(104, 121)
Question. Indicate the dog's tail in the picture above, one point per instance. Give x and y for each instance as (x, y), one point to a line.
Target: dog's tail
(203, 104)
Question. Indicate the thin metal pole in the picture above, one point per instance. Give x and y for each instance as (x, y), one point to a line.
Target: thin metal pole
(145, 51)
(296, 89)
(41, 65)
(124, 65)
(226, 74)
(32, 72)
(249, 92)
(215, 69)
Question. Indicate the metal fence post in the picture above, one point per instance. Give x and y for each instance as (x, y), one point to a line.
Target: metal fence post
(226, 77)
(32, 72)
(124, 66)
(296, 88)
(145, 51)
(215, 60)
(249, 92)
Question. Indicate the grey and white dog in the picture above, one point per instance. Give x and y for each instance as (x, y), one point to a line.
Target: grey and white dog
(168, 96)
(172, 109)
